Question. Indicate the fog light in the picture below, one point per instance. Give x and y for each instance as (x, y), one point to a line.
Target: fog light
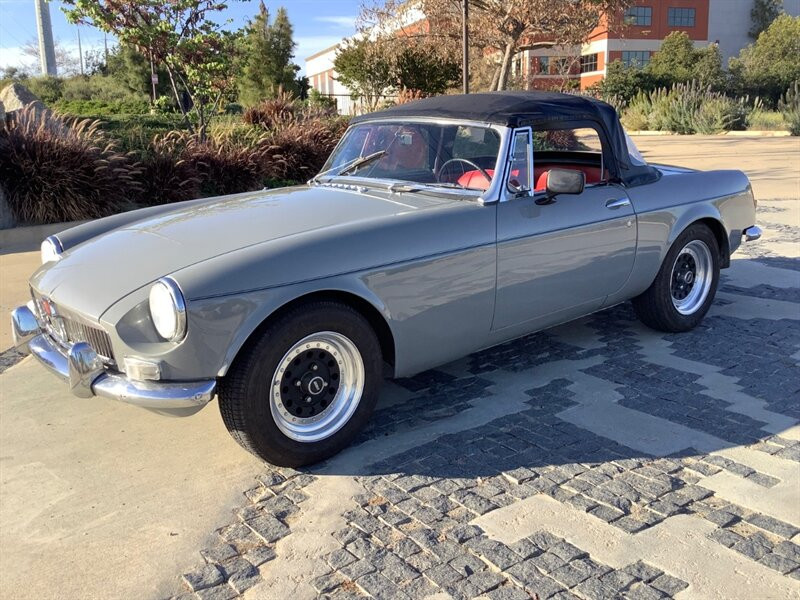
(142, 370)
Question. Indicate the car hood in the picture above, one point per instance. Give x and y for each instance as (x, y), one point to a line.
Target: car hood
(95, 274)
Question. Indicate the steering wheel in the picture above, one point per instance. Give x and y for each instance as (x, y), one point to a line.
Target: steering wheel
(463, 160)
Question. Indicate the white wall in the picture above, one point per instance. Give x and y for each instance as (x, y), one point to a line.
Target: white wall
(729, 21)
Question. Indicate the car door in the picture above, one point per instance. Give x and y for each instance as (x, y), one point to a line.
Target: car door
(559, 260)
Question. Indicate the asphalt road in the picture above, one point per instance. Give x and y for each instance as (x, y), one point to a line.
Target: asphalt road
(102, 500)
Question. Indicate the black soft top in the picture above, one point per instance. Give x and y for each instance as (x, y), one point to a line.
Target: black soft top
(521, 109)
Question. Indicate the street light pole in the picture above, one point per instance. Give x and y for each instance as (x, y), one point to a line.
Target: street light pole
(47, 51)
(465, 44)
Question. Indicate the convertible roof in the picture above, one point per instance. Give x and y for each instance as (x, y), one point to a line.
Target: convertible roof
(521, 109)
(512, 109)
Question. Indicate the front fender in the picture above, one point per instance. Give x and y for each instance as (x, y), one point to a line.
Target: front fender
(268, 302)
(217, 328)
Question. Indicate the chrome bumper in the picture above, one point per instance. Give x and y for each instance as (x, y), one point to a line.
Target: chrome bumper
(751, 234)
(80, 366)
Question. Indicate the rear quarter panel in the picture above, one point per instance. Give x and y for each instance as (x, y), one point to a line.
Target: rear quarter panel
(665, 208)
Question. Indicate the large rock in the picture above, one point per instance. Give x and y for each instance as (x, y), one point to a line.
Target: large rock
(15, 96)
(2, 116)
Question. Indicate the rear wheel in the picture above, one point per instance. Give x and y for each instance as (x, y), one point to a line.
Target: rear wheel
(685, 286)
(301, 392)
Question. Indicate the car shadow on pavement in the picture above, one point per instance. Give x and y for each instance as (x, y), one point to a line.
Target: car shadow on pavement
(600, 399)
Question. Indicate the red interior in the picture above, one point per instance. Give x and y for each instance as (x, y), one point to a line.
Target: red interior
(474, 179)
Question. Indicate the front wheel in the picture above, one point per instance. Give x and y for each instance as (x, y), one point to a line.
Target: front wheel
(301, 392)
(685, 286)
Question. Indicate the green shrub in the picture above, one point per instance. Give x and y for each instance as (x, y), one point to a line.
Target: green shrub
(164, 105)
(765, 120)
(789, 105)
(636, 115)
(54, 170)
(135, 133)
(686, 108)
(100, 108)
(47, 89)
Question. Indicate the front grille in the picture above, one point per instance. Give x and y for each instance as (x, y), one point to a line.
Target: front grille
(97, 338)
(67, 330)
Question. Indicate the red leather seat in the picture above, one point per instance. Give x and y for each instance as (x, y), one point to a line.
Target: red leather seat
(473, 179)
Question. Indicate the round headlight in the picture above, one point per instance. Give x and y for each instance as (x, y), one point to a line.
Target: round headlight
(168, 309)
(51, 250)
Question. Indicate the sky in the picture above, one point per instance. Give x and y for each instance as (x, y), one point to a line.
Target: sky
(318, 24)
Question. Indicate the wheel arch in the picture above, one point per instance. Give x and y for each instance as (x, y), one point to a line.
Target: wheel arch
(364, 307)
(717, 228)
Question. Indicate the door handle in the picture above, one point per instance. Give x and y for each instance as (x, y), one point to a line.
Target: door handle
(615, 203)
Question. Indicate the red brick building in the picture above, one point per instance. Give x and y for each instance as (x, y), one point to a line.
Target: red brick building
(635, 35)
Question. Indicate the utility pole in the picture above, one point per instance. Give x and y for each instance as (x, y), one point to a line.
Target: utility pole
(80, 49)
(465, 44)
(47, 51)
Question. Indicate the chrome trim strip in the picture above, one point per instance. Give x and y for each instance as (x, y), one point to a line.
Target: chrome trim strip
(82, 369)
(490, 196)
(751, 234)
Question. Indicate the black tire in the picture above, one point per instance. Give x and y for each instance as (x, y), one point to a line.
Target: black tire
(244, 393)
(655, 306)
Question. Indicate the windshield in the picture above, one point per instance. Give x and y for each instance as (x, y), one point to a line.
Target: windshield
(449, 155)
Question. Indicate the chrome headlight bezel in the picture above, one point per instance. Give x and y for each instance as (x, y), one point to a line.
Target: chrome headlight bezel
(51, 250)
(168, 309)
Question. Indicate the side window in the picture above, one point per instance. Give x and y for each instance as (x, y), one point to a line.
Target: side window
(579, 149)
(584, 139)
(519, 173)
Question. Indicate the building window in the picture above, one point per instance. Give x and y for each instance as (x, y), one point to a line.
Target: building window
(635, 58)
(561, 65)
(544, 65)
(518, 65)
(681, 17)
(639, 15)
(589, 63)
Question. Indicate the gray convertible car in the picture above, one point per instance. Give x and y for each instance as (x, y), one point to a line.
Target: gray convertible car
(436, 228)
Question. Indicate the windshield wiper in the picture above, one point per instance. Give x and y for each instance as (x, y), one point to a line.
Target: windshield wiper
(360, 162)
(353, 164)
(454, 186)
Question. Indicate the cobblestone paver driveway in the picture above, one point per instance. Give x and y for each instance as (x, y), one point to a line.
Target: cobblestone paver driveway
(595, 460)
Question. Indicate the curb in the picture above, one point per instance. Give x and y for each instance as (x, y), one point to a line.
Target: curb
(780, 133)
(21, 239)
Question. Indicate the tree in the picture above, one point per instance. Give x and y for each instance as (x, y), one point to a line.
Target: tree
(425, 72)
(770, 65)
(707, 67)
(364, 67)
(503, 27)
(67, 62)
(763, 13)
(196, 52)
(622, 83)
(678, 61)
(674, 61)
(267, 53)
(131, 69)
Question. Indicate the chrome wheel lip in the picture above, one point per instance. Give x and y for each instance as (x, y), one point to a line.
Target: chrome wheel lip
(344, 404)
(701, 278)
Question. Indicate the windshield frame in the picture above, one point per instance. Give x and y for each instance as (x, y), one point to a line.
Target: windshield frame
(492, 194)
